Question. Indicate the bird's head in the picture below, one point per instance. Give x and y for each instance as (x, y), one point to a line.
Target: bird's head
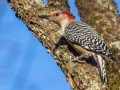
(62, 17)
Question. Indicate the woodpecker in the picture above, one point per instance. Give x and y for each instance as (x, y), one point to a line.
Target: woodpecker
(84, 39)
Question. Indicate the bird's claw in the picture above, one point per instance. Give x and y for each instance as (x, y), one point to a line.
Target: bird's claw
(78, 59)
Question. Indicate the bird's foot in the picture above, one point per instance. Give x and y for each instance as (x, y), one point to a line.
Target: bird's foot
(83, 56)
(78, 59)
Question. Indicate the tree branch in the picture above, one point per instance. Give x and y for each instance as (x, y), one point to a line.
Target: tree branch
(103, 16)
(80, 76)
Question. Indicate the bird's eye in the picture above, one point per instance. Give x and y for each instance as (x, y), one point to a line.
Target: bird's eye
(57, 14)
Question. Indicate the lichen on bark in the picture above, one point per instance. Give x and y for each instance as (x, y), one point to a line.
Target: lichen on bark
(103, 16)
(80, 76)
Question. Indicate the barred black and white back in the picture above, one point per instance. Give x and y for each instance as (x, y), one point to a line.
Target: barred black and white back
(84, 39)
(84, 35)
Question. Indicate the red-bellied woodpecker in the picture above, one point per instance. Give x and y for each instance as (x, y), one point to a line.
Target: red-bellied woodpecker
(84, 39)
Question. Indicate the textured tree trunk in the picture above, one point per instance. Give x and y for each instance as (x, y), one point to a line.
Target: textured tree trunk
(103, 16)
(103, 19)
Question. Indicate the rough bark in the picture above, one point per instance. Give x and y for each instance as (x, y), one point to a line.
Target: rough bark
(80, 76)
(103, 16)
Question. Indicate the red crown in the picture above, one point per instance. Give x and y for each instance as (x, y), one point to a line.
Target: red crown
(68, 14)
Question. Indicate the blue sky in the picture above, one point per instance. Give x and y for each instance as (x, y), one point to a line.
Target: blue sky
(24, 62)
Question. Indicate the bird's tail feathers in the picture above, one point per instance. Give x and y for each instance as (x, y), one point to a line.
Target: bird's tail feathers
(101, 67)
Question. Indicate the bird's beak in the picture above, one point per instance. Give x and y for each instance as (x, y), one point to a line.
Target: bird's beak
(45, 16)
(50, 16)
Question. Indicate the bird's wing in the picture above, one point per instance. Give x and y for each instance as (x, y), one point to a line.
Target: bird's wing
(85, 36)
